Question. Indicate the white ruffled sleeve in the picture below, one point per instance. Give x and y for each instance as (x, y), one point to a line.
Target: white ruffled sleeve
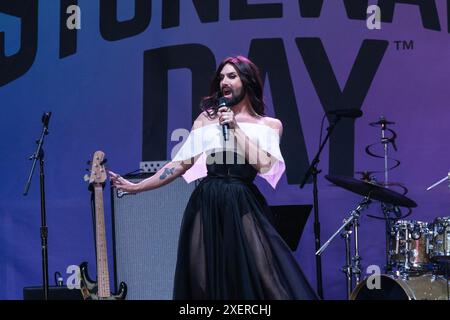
(198, 142)
(268, 139)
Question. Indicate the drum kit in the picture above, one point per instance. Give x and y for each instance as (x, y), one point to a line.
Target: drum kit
(417, 252)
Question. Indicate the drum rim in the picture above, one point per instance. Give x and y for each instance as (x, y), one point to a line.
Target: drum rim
(412, 221)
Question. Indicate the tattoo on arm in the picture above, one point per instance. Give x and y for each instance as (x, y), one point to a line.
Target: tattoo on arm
(167, 172)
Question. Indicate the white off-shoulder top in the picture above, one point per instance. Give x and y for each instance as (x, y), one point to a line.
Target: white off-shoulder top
(209, 138)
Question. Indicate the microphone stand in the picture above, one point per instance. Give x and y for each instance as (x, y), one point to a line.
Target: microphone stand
(313, 171)
(39, 155)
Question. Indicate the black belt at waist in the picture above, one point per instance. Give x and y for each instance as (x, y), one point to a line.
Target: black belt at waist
(215, 175)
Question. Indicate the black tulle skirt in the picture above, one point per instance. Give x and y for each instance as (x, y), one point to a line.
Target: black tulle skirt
(228, 248)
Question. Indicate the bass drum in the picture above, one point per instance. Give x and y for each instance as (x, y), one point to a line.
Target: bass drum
(424, 287)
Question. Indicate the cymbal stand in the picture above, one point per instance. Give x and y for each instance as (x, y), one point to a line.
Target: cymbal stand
(356, 258)
(353, 264)
(387, 209)
(347, 268)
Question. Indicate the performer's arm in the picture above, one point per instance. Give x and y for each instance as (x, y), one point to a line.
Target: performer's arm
(165, 175)
(258, 158)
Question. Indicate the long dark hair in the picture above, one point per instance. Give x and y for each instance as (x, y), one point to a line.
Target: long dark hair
(251, 80)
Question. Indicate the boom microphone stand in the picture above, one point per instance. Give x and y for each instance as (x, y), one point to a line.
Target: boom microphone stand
(39, 155)
(313, 171)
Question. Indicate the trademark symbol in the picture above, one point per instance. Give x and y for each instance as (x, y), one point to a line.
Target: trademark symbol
(404, 44)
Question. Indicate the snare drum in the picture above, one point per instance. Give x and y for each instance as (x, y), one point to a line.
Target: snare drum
(440, 249)
(409, 245)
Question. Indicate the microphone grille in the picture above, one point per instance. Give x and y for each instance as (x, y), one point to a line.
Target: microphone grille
(223, 102)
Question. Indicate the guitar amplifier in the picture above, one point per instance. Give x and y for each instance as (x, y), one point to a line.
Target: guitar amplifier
(146, 228)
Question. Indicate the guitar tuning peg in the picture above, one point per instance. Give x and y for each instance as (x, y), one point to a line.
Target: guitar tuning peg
(89, 162)
(104, 161)
(88, 170)
(86, 177)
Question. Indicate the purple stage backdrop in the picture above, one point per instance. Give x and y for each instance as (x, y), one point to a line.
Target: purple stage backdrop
(121, 76)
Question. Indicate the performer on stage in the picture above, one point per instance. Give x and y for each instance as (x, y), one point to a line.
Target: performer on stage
(228, 249)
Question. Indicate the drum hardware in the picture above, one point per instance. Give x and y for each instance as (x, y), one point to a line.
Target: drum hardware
(370, 191)
(423, 287)
(391, 213)
(420, 256)
(352, 263)
(387, 210)
(416, 251)
(385, 141)
(352, 266)
(410, 242)
(440, 248)
(439, 182)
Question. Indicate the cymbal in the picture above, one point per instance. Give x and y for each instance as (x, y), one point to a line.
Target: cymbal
(381, 122)
(374, 191)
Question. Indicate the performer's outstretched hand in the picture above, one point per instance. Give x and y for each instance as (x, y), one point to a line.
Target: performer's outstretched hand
(122, 183)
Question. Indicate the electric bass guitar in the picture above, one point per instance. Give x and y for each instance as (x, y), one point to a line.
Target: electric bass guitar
(99, 290)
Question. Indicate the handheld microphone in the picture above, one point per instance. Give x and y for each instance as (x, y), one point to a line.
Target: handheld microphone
(346, 113)
(225, 127)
